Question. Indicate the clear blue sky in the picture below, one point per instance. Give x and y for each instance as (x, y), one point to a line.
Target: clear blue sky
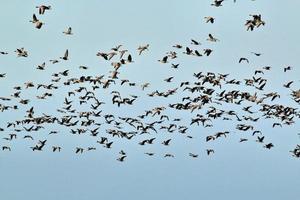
(235, 171)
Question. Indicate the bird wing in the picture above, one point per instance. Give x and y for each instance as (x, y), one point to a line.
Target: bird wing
(34, 18)
(66, 53)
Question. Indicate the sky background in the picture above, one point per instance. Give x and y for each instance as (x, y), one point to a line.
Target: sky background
(235, 171)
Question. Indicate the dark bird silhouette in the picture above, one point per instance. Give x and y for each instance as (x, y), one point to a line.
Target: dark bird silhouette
(243, 59)
(65, 57)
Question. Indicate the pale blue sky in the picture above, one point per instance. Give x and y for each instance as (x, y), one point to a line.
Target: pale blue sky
(235, 171)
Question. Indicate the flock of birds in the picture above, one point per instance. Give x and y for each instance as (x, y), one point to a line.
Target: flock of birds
(202, 96)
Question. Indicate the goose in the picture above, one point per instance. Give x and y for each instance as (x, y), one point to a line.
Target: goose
(269, 146)
(57, 148)
(143, 142)
(54, 61)
(166, 142)
(3, 52)
(122, 52)
(178, 46)
(103, 140)
(91, 149)
(111, 55)
(217, 3)
(36, 21)
(175, 66)
(210, 151)
(267, 68)
(188, 51)
(79, 150)
(211, 38)
(122, 153)
(129, 58)
(168, 80)
(145, 85)
(260, 139)
(43, 8)
(122, 158)
(243, 140)
(197, 53)
(209, 19)
(65, 57)
(6, 148)
(207, 52)
(83, 67)
(143, 48)
(150, 141)
(256, 54)
(21, 52)
(194, 42)
(68, 31)
(42, 66)
(164, 59)
(287, 68)
(243, 59)
(149, 153)
(287, 85)
(117, 47)
(193, 155)
(108, 145)
(39, 24)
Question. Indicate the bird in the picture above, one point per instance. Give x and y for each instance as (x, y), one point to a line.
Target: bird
(260, 139)
(166, 142)
(243, 59)
(164, 59)
(175, 66)
(193, 155)
(149, 153)
(114, 105)
(108, 145)
(2, 75)
(42, 66)
(287, 85)
(3, 53)
(37, 22)
(143, 48)
(43, 8)
(217, 3)
(209, 19)
(122, 158)
(169, 79)
(129, 58)
(65, 57)
(243, 140)
(34, 19)
(79, 150)
(57, 148)
(207, 52)
(168, 155)
(211, 38)
(68, 31)
(269, 146)
(209, 151)
(21, 52)
(194, 42)
(256, 54)
(285, 69)
(6, 148)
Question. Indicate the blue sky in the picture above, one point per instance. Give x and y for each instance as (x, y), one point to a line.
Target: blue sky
(235, 171)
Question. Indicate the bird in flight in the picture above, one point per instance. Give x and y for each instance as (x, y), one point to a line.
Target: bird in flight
(68, 31)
